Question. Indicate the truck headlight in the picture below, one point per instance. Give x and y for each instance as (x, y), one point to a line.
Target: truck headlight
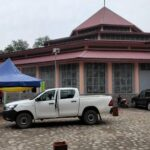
(10, 107)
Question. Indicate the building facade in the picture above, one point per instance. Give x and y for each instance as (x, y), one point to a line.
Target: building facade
(105, 54)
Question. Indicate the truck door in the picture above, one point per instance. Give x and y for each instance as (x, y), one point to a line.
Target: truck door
(45, 105)
(147, 98)
(68, 103)
(141, 98)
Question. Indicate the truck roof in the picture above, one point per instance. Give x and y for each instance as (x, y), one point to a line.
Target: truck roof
(61, 88)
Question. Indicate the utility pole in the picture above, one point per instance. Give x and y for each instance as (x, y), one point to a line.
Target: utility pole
(55, 52)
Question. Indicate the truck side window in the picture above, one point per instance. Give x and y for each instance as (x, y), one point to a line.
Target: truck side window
(147, 94)
(142, 94)
(48, 96)
(65, 94)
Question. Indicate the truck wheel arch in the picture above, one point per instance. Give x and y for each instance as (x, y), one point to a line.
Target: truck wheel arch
(25, 111)
(91, 108)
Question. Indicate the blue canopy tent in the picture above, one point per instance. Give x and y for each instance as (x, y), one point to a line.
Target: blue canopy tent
(10, 76)
(12, 80)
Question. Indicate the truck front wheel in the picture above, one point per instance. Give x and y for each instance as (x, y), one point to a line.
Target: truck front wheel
(90, 117)
(134, 105)
(24, 120)
(148, 106)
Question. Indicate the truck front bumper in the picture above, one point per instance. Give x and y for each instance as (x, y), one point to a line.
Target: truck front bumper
(9, 115)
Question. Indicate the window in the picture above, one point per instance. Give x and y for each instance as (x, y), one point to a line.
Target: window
(147, 94)
(142, 94)
(95, 78)
(69, 75)
(48, 96)
(112, 28)
(145, 67)
(47, 75)
(29, 71)
(65, 94)
(122, 78)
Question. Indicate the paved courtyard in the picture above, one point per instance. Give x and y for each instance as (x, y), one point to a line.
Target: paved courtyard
(129, 131)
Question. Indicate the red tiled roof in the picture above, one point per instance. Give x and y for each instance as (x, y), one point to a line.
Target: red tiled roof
(117, 55)
(101, 55)
(104, 16)
(51, 58)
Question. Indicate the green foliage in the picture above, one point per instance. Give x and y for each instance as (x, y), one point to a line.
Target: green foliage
(39, 42)
(9, 49)
(18, 45)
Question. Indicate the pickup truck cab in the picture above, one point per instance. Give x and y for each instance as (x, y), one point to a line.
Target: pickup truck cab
(143, 99)
(57, 103)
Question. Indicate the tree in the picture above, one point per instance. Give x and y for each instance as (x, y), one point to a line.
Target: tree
(17, 46)
(20, 45)
(39, 42)
(1, 51)
(9, 49)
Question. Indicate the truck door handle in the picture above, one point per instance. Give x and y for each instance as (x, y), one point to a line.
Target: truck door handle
(73, 101)
(51, 103)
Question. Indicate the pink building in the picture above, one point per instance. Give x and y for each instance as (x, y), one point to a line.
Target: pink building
(105, 54)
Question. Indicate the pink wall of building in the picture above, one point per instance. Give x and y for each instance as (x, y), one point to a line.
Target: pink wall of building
(109, 77)
(136, 78)
(81, 77)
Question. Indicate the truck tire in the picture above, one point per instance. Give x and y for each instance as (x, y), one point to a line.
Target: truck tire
(24, 120)
(80, 117)
(90, 117)
(148, 106)
(134, 105)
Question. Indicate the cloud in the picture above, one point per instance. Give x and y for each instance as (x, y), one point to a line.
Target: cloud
(30, 19)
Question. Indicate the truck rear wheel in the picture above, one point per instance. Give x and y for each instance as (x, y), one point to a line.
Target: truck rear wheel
(90, 117)
(24, 120)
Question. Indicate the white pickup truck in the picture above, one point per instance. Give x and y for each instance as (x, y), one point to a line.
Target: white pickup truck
(57, 103)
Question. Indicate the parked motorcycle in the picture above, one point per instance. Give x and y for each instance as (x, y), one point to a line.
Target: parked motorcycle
(120, 102)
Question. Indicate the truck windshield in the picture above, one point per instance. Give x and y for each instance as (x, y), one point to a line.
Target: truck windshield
(34, 96)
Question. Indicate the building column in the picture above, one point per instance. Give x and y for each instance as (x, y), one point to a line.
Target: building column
(136, 78)
(81, 77)
(37, 72)
(57, 76)
(109, 80)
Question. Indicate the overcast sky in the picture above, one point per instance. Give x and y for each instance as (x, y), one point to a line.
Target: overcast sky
(30, 19)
